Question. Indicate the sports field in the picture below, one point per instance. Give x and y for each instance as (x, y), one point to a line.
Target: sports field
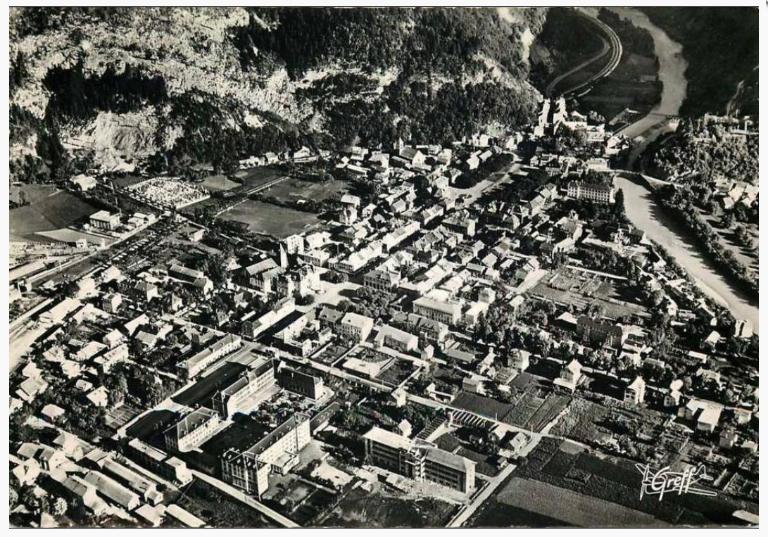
(293, 189)
(268, 219)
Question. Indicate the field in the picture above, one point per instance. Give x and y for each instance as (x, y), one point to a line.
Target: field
(297, 189)
(47, 212)
(617, 481)
(268, 219)
(571, 507)
(255, 177)
(218, 509)
(530, 410)
(581, 289)
(218, 183)
(371, 510)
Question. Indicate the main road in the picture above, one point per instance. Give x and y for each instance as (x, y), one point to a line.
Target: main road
(611, 47)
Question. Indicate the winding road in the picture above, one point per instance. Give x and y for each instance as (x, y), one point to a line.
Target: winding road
(611, 47)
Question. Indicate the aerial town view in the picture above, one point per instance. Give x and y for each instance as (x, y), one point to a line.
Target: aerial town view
(277, 267)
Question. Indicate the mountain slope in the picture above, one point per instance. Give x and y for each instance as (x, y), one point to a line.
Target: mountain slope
(119, 88)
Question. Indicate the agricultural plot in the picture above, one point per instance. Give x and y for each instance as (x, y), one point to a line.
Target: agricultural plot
(267, 219)
(530, 410)
(571, 507)
(616, 481)
(581, 290)
(47, 213)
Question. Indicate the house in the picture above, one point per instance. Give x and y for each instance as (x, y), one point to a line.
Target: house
(405, 428)
(712, 340)
(518, 359)
(600, 332)
(634, 392)
(473, 384)
(98, 397)
(145, 291)
(104, 220)
(83, 494)
(381, 279)
(112, 490)
(570, 375)
(706, 414)
(357, 327)
(111, 302)
(394, 338)
(52, 412)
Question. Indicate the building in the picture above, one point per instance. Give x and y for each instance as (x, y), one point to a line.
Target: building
(167, 467)
(600, 332)
(277, 452)
(299, 382)
(256, 380)
(635, 391)
(381, 280)
(397, 339)
(193, 366)
(743, 328)
(419, 460)
(706, 414)
(192, 430)
(112, 490)
(146, 488)
(355, 326)
(597, 192)
(518, 359)
(437, 310)
(570, 375)
(104, 220)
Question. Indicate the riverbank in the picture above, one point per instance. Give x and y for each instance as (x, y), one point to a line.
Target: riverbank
(660, 227)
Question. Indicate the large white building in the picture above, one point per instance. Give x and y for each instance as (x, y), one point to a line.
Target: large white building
(277, 452)
(419, 460)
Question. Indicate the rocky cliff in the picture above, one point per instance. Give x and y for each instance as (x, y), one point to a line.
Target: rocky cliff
(118, 89)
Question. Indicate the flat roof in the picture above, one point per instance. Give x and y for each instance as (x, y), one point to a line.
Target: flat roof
(388, 438)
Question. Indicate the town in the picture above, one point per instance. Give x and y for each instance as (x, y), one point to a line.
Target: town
(414, 333)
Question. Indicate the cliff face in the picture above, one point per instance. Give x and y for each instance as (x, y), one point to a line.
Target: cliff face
(721, 46)
(117, 89)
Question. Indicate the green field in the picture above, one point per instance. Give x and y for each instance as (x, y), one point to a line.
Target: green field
(219, 183)
(268, 219)
(570, 507)
(293, 189)
(46, 213)
(255, 177)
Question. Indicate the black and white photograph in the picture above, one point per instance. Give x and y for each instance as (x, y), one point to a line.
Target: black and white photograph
(355, 266)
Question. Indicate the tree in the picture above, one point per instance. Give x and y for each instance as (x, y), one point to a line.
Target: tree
(618, 207)
(59, 506)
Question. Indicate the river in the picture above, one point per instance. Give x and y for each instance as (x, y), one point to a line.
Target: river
(672, 68)
(641, 209)
(644, 213)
